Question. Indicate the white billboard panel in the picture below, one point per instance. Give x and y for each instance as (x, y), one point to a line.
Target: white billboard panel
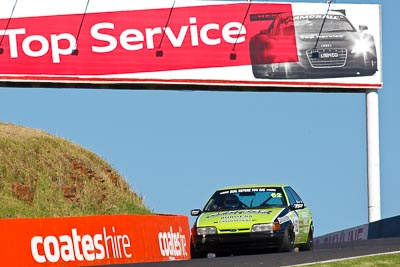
(213, 45)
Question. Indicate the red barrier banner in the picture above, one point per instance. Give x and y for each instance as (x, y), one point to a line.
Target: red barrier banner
(94, 240)
(191, 42)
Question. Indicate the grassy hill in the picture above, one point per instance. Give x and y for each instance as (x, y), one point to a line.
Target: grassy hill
(45, 176)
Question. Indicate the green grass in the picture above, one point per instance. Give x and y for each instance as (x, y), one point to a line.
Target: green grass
(367, 261)
(46, 176)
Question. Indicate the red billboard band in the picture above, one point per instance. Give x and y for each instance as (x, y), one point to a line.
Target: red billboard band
(129, 41)
(94, 240)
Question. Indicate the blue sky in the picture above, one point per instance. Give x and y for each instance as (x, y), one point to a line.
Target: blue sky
(176, 148)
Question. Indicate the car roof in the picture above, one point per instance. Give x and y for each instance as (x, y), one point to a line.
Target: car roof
(252, 186)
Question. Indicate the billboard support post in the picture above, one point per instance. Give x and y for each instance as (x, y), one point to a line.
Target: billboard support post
(373, 172)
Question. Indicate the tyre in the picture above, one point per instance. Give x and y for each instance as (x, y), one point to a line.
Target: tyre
(287, 243)
(196, 254)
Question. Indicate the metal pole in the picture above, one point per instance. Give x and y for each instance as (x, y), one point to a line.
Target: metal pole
(374, 190)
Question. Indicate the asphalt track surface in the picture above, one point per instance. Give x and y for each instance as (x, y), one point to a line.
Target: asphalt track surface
(321, 253)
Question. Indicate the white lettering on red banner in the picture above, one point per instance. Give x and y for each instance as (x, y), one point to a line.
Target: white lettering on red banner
(75, 247)
(126, 42)
(172, 244)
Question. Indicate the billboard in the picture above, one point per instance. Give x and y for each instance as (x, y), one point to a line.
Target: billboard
(94, 240)
(189, 44)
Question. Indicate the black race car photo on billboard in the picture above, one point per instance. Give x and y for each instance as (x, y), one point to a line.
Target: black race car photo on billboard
(328, 46)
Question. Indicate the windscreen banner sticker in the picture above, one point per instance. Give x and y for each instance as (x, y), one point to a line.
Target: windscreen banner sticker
(318, 17)
(248, 190)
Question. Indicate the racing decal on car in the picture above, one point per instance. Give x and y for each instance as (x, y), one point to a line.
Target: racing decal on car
(240, 218)
(295, 221)
(304, 220)
(292, 217)
(314, 37)
(238, 212)
(283, 219)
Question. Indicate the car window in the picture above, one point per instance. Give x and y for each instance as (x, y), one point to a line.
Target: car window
(293, 196)
(246, 198)
(292, 200)
(296, 196)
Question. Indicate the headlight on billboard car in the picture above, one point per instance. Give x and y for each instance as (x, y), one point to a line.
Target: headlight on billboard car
(362, 46)
(209, 230)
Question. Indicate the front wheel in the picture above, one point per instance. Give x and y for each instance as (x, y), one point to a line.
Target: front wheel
(196, 254)
(287, 243)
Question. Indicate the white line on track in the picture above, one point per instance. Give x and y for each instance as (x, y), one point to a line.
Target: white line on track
(343, 259)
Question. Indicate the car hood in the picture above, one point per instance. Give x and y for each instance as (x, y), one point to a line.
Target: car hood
(239, 218)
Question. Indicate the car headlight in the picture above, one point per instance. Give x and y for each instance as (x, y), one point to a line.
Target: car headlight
(362, 46)
(264, 227)
(209, 230)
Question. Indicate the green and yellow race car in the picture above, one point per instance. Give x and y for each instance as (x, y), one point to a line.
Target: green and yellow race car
(252, 217)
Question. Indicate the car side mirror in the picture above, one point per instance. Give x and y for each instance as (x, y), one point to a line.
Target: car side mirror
(297, 206)
(363, 28)
(195, 212)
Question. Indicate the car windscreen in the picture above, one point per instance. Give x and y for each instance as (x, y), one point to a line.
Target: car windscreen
(312, 24)
(246, 198)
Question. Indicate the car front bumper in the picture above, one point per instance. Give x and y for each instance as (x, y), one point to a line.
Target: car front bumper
(236, 242)
(352, 66)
